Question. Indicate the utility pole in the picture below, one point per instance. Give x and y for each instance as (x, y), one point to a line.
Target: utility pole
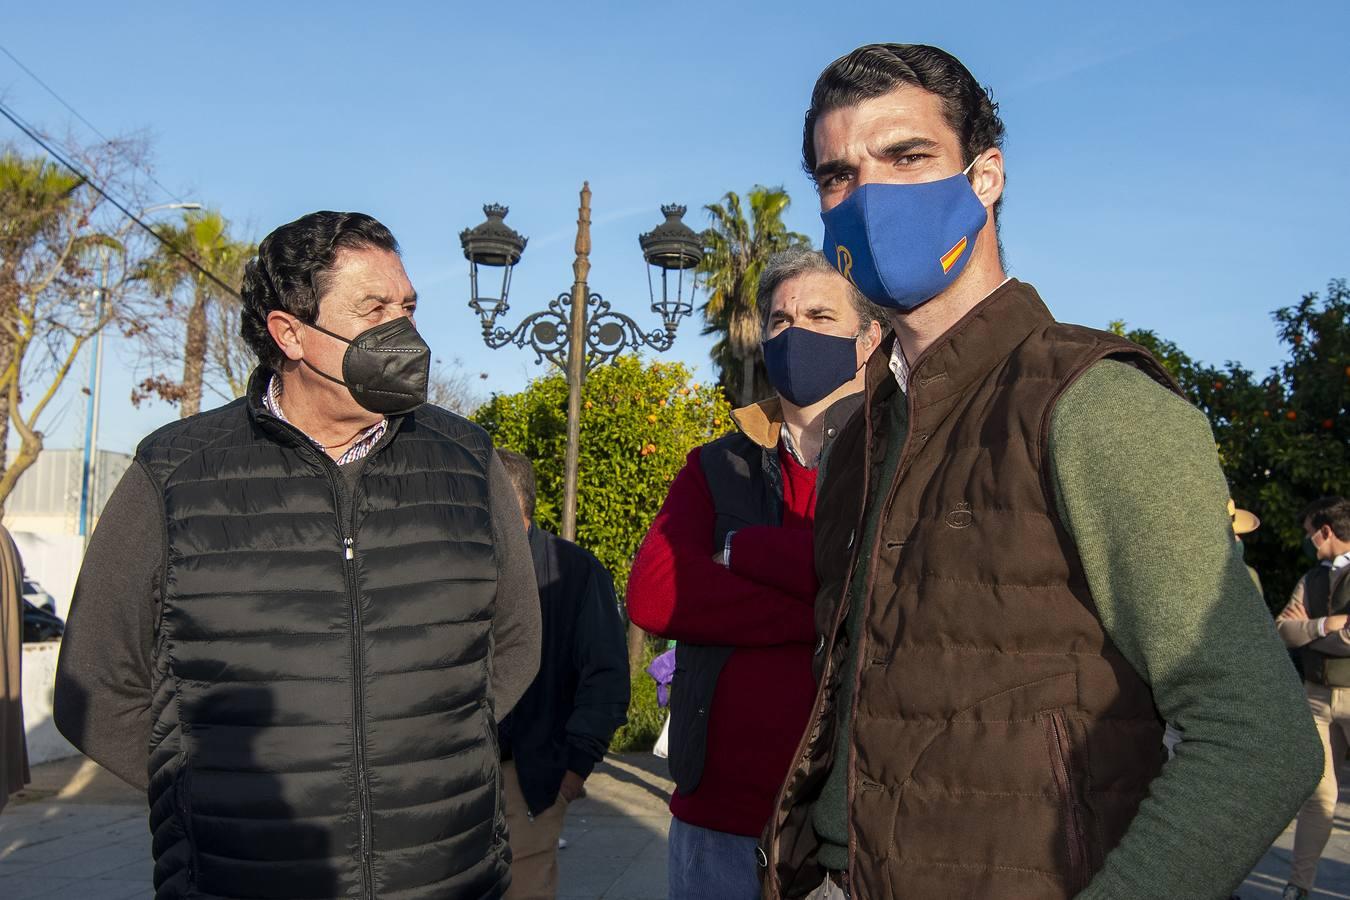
(92, 411)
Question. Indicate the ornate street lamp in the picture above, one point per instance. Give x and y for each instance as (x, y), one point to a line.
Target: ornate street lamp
(579, 330)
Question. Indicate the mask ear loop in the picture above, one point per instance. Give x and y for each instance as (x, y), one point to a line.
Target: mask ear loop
(322, 374)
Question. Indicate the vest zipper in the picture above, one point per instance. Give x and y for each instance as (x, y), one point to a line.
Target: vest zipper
(358, 703)
(769, 860)
(346, 502)
(860, 653)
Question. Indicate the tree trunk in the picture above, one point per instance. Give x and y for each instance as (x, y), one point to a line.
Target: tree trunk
(194, 354)
(747, 380)
(637, 638)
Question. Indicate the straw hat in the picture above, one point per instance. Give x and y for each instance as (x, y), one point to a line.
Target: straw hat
(1244, 522)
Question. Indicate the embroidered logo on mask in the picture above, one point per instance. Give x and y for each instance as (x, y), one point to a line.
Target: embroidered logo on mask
(843, 261)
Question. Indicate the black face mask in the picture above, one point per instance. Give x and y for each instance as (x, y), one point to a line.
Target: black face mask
(1309, 548)
(385, 367)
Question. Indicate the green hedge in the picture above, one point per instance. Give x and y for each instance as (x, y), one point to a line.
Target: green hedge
(645, 716)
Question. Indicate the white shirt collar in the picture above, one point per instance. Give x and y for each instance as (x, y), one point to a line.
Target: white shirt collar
(1339, 562)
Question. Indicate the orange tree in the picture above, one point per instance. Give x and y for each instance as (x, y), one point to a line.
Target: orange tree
(638, 422)
(1283, 438)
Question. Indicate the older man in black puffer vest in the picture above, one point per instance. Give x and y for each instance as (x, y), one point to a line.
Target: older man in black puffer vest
(302, 613)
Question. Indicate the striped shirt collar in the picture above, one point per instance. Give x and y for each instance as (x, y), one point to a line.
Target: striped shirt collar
(360, 448)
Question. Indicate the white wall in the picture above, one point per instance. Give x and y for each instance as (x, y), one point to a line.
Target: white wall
(53, 561)
(45, 743)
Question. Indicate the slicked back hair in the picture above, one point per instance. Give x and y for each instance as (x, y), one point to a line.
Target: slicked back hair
(877, 69)
(294, 268)
(788, 264)
(1333, 511)
(521, 472)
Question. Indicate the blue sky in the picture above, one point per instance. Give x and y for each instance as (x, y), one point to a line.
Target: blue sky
(1176, 165)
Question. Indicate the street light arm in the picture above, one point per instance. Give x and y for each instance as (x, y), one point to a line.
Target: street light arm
(545, 332)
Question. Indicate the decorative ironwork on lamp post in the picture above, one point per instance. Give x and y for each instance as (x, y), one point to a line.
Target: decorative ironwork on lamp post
(579, 330)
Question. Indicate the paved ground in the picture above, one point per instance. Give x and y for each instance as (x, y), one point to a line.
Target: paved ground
(79, 833)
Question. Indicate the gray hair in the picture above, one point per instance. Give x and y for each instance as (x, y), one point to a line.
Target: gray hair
(521, 472)
(788, 264)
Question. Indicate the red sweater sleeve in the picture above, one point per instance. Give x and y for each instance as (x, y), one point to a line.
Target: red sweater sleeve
(677, 591)
(778, 557)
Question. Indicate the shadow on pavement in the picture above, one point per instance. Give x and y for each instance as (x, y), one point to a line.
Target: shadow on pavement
(616, 835)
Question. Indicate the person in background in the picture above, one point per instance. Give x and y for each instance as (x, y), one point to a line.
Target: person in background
(563, 724)
(726, 570)
(13, 743)
(1315, 623)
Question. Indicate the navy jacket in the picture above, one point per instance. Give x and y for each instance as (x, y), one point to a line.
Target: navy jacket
(580, 696)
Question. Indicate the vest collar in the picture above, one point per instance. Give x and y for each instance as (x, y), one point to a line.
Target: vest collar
(762, 422)
(967, 350)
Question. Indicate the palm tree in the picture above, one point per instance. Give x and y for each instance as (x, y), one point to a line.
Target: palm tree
(205, 238)
(735, 251)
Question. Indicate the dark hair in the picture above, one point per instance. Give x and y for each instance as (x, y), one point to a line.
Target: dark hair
(293, 270)
(521, 472)
(1333, 511)
(878, 69)
(795, 261)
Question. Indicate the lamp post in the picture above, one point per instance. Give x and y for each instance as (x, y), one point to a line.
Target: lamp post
(96, 385)
(579, 330)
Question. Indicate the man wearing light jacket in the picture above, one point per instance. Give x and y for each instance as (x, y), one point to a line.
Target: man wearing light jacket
(726, 570)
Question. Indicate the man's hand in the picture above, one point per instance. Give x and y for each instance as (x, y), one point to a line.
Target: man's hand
(1336, 623)
(573, 787)
(1294, 611)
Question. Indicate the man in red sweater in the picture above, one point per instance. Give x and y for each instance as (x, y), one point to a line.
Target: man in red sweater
(727, 570)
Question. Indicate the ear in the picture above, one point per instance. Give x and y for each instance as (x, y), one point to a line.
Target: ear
(986, 177)
(871, 338)
(285, 330)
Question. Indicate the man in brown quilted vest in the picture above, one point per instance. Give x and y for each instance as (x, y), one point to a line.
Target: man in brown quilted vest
(1026, 564)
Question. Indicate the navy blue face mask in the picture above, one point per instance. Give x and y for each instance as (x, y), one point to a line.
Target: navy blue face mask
(805, 366)
(903, 244)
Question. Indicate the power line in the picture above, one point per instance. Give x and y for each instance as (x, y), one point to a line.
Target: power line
(76, 113)
(169, 245)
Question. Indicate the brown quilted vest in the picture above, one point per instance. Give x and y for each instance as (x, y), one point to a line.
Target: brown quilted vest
(1001, 744)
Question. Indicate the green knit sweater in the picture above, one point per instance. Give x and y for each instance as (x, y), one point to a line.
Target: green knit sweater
(1138, 486)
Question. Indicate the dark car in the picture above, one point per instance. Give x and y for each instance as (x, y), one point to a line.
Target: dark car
(40, 621)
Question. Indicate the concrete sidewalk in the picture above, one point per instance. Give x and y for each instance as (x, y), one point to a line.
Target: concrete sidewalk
(81, 834)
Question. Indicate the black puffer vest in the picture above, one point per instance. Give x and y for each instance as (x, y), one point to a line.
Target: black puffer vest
(1325, 595)
(322, 726)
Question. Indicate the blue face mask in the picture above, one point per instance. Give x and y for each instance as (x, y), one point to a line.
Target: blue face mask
(903, 244)
(806, 366)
